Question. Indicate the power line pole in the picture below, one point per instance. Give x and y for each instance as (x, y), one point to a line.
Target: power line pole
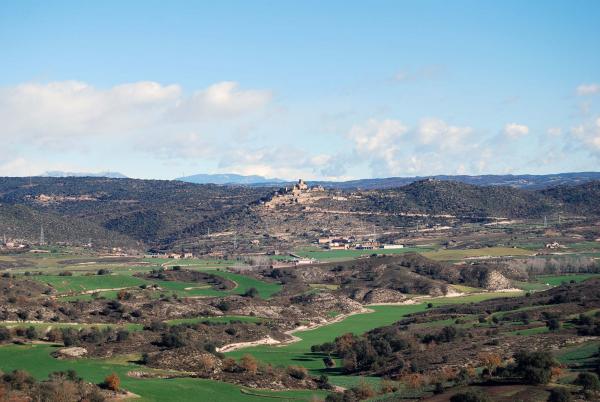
(42, 238)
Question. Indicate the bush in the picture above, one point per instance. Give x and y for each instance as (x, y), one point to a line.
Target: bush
(534, 367)
(122, 335)
(553, 324)
(5, 334)
(251, 292)
(249, 363)
(31, 333)
(172, 340)
(589, 381)
(224, 306)
(559, 395)
(297, 372)
(112, 382)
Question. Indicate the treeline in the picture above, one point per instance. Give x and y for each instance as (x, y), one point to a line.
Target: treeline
(60, 386)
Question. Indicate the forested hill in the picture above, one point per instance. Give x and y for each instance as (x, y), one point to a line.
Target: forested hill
(147, 213)
(144, 211)
(524, 181)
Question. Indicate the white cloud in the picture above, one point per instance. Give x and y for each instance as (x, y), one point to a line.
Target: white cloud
(277, 161)
(391, 148)
(588, 89)
(514, 130)
(145, 117)
(379, 141)
(554, 131)
(439, 134)
(589, 135)
(223, 99)
(58, 110)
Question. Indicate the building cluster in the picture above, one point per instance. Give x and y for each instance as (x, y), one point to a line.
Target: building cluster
(351, 243)
(299, 193)
(12, 244)
(173, 256)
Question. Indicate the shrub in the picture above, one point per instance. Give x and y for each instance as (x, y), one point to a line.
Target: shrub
(363, 390)
(589, 381)
(534, 367)
(112, 382)
(249, 363)
(559, 395)
(31, 333)
(4, 334)
(553, 324)
(297, 372)
(224, 305)
(251, 292)
(122, 335)
(172, 340)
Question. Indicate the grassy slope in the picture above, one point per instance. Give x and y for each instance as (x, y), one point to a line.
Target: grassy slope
(299, 352)
(37, 360)
(124, 278)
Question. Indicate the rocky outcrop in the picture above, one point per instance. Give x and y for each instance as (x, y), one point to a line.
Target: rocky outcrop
(383, 296)
(187, 359)
(70, 353)
(494, 280)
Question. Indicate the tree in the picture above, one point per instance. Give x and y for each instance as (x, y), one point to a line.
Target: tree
(112, 382)
(553, 324)
(559, 395)
(297, 372)
(588, 381)
(534, 367)
(363, 390)
(4, 334)
(490, 360)
(251, 292)
(249, 363)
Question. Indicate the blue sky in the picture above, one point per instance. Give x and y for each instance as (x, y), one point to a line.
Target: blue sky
(333, 90)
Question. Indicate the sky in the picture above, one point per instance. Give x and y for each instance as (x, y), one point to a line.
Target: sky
(329, 90)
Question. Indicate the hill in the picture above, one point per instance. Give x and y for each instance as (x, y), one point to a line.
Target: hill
(525, 181)
(174, 214)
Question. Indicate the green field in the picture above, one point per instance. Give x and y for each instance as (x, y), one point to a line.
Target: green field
(579, 354)
(299, 352)
(457, 255)
(556, 280)
(341, 255)
(79, 283)
(36, 360)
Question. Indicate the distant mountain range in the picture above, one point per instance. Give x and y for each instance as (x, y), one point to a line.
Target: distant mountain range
(230, 178)
(59, 173)
(525, 181)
